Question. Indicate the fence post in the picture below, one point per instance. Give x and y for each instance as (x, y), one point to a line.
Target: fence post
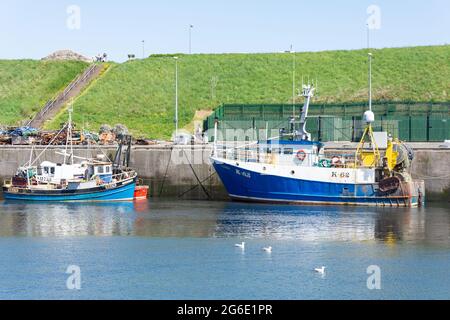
(410, 128)
(319, 125)
(353, 128)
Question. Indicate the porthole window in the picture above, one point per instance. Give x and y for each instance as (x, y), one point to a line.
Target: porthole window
(292, 172)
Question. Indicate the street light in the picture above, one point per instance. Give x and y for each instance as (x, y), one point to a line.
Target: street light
(176, 97)
(143, 49)
(293, 79)
(190, 38)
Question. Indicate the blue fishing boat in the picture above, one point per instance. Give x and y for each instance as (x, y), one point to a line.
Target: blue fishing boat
(293, 169)
(74, 178)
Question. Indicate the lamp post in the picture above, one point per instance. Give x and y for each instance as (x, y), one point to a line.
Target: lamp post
(370, 67)
(176, 97)
(143, 49)
(293, 80)
(190, 38)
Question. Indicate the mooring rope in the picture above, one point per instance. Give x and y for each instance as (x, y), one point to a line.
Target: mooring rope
(167, 170)
(196, 176)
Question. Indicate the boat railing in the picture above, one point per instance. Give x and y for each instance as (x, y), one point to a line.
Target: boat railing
(250, 153)
(242, 154)
(125, 175)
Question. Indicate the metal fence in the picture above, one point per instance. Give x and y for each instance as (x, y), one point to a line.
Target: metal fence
(412, 122)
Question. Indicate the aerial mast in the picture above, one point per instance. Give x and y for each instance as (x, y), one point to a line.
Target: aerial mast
(308, 93)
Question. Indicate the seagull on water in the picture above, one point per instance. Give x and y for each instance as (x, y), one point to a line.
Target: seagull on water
(320, 270)
(268, 249)
(241, 245)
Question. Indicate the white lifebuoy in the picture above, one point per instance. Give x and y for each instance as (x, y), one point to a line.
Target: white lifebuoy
(336, 160)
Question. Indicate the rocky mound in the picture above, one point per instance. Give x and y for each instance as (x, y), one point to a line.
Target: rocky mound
(67, 55)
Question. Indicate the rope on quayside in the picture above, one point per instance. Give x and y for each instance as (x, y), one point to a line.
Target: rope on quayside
(432, 178)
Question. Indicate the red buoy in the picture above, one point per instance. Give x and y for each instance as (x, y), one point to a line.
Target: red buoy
(141, 192)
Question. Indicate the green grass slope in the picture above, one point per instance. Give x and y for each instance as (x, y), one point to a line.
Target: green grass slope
(26, 85)
(140, 94)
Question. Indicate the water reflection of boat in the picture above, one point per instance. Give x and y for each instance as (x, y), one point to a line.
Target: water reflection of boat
(333, 223)
(305, 223)
(50, 219)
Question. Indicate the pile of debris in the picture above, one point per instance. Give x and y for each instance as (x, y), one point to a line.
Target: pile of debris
(107, 135)
(66, 55)
(20, 135)
(32, 136)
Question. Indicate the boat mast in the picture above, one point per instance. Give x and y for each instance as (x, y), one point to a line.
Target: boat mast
(69, 136)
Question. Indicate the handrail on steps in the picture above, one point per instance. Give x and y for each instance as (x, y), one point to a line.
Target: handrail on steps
(61, 96)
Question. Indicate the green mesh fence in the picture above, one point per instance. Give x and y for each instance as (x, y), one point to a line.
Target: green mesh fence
(413, 122)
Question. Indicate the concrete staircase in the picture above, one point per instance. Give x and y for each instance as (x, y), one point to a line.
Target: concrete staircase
(52, 107)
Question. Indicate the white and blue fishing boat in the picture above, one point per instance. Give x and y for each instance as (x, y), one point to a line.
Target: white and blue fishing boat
(293, 169)
(73, 179)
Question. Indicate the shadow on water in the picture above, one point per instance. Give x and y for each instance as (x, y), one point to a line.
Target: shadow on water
(198, 219)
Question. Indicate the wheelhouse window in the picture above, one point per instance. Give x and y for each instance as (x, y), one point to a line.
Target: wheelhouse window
(46, 170)
(52, 170)
(100, 170)
(108, 169)
(39, 171)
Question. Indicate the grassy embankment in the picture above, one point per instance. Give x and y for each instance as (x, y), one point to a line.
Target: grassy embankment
(26, 85)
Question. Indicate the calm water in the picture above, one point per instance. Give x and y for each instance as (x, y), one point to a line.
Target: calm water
(185, 250)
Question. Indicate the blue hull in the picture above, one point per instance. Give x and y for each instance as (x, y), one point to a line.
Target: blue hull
(120, 193)
(254, 187)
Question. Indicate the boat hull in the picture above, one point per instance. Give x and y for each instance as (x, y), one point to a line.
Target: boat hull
(251, 186)
(122, 191)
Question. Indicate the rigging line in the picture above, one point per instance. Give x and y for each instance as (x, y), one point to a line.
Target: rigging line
(101, 150)
(46, 148)
(196, 177)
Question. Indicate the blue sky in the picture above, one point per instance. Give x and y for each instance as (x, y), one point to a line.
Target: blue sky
(33, 29)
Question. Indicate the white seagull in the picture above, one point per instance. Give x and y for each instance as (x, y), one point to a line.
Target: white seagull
(268, 249)
(242, 245)
(320, 270)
